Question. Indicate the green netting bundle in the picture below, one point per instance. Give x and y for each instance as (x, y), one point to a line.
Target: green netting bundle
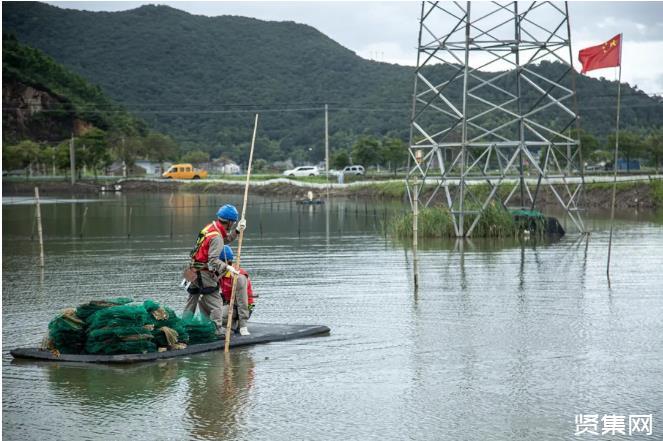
(118, 316)
(200, 330)
(120, 330)
(67, 332)
(117, 327)
(164, 317)
(86, 310)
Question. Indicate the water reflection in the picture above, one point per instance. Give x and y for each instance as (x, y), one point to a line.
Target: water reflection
(218, 396)
(104, 387)
(213, 390)
(501, 332)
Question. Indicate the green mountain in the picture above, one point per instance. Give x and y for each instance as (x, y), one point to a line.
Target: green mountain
(200, 79)
(44, 101)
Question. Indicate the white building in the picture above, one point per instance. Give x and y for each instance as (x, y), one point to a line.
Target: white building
(225, 167)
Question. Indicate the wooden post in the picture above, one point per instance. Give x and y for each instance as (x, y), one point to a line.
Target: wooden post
(231, 303)
(131, 209)
(386, 227)
(299, 223)
(260, 226)
(80, 234)
(39, 228)
(415, 224)
(415, 230)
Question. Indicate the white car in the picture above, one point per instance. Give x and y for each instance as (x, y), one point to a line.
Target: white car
(306, 170)
(353, 170)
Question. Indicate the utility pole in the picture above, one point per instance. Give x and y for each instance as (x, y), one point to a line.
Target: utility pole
(327, 146)
(124, 154)
(72, 159)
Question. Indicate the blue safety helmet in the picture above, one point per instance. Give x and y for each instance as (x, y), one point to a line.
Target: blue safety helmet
(228, 212)
(226, 254)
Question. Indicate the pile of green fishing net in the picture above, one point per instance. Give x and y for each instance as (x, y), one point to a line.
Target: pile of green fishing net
(200, 330)
(121, 326)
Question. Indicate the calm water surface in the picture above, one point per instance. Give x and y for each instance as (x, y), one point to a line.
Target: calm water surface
(501, 341)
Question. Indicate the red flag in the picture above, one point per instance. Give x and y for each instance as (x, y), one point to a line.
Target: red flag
(607, 54)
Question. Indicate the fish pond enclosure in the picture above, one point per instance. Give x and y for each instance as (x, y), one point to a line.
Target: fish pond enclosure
(516, 333)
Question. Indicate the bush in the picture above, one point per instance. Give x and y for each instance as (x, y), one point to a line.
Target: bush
(436, 222)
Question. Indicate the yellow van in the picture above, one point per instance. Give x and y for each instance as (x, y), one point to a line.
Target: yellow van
(184, 171)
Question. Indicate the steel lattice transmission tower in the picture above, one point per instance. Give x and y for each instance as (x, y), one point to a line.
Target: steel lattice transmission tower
(509, 129)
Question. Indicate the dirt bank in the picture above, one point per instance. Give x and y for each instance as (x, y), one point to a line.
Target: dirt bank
(643, 195)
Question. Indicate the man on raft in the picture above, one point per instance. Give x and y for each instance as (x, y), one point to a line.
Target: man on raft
(206, 266)
(244, 302)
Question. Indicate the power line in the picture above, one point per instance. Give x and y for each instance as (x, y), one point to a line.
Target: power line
(276, 110)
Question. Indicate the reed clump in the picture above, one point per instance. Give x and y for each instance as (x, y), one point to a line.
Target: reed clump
(436, 222)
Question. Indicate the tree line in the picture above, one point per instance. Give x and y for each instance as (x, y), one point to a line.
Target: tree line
(632, 145)
(200, 79)
(94, 152)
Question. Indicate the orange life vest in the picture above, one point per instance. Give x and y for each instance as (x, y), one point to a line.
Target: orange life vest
(227, 286)
(200, 253)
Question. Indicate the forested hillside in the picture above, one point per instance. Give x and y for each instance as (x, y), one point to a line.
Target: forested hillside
(44, 101)
(201, 78)
(44, 104)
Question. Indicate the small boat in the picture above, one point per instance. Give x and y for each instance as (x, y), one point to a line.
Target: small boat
(260, 333)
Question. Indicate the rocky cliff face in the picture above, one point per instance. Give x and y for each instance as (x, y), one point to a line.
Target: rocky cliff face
(33, 113)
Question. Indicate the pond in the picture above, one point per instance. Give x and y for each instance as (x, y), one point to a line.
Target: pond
(502, 340)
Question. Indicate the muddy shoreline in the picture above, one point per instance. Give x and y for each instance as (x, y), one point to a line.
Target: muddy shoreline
(641, 195)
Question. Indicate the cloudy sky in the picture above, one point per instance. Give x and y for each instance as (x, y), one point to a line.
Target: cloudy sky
(387, 31)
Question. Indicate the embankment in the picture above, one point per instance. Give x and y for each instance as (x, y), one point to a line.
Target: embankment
(641, 194)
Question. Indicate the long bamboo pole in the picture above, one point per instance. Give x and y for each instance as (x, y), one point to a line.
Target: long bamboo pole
(415, 231)
(614, 163)
(241, 238)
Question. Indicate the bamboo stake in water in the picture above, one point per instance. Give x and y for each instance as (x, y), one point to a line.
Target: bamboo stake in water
(83, 222)
(614, 164)
(241, 238)
(39, 228)
(415, 223)
(131, 209)
(415, 231)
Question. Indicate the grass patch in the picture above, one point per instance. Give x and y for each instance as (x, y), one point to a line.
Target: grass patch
(657, 193)
(436, 222)
(392, 189)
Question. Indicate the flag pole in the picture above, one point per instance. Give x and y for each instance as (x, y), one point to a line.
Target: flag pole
(614, 164)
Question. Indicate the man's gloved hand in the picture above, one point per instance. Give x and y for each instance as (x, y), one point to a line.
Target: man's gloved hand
(241, 225)
(231, 269)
